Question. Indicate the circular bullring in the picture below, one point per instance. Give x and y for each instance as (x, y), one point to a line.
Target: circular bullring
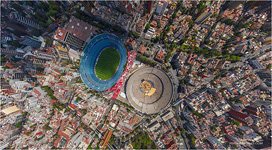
(149, 90)
(102, 61)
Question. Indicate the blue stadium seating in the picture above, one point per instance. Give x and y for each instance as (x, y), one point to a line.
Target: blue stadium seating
(90, 55)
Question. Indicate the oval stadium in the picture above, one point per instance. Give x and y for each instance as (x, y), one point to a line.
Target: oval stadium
(149, 90)
(102, 61)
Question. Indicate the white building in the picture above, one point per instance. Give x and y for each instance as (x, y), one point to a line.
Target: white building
(22, 86)
(38, 92)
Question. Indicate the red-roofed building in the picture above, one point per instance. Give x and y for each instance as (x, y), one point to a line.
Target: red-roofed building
(153, 24)
(142, 49)
(149, 6)
(160, 55)
(8, 91)
(75, 33)
(9, 65)
(61, 141)
(220, 119)
(53, 101)
(228, 130)
(241, 117)
(130, 43)
(253, 110)
(244, 100)
(168, 146)
(5, 86)
(60, 34)
(36, 92)
(79, 113)
(39, 134)
(72, 106)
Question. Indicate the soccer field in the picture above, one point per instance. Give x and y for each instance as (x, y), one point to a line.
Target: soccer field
(107, 63)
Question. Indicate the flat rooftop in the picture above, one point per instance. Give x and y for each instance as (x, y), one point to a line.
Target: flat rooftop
(10, 110)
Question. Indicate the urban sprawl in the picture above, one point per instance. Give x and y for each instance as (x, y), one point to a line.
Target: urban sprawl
(167, 74)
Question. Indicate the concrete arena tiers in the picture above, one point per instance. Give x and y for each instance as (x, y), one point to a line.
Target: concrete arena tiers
(149, 104)
(89, 57)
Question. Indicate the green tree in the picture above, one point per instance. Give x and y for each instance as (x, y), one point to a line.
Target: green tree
(174, 15)
(145, 60)
(184, 48)
(234, 58)
(191, 139)
(269, 66)
(51, 12)
(158, 24)
(44, 6)
(228, 22)
(78, 99)
(201, 6)
(49, 92)
(167, 29)
(14, 43)
(3, 59)
(19, 124)
(147, 26)
(199, 115)
(169, 55)
(234, 122)
(155, 39)
(48, 41)
(142, 141)
(134, 34)
(47, 127)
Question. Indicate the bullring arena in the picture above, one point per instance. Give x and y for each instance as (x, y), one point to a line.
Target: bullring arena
(149, 90)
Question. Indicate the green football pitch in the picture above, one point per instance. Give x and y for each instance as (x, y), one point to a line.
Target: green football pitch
(107, 63)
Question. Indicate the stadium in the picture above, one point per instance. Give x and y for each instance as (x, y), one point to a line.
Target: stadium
(149, 90)
(102, 61)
